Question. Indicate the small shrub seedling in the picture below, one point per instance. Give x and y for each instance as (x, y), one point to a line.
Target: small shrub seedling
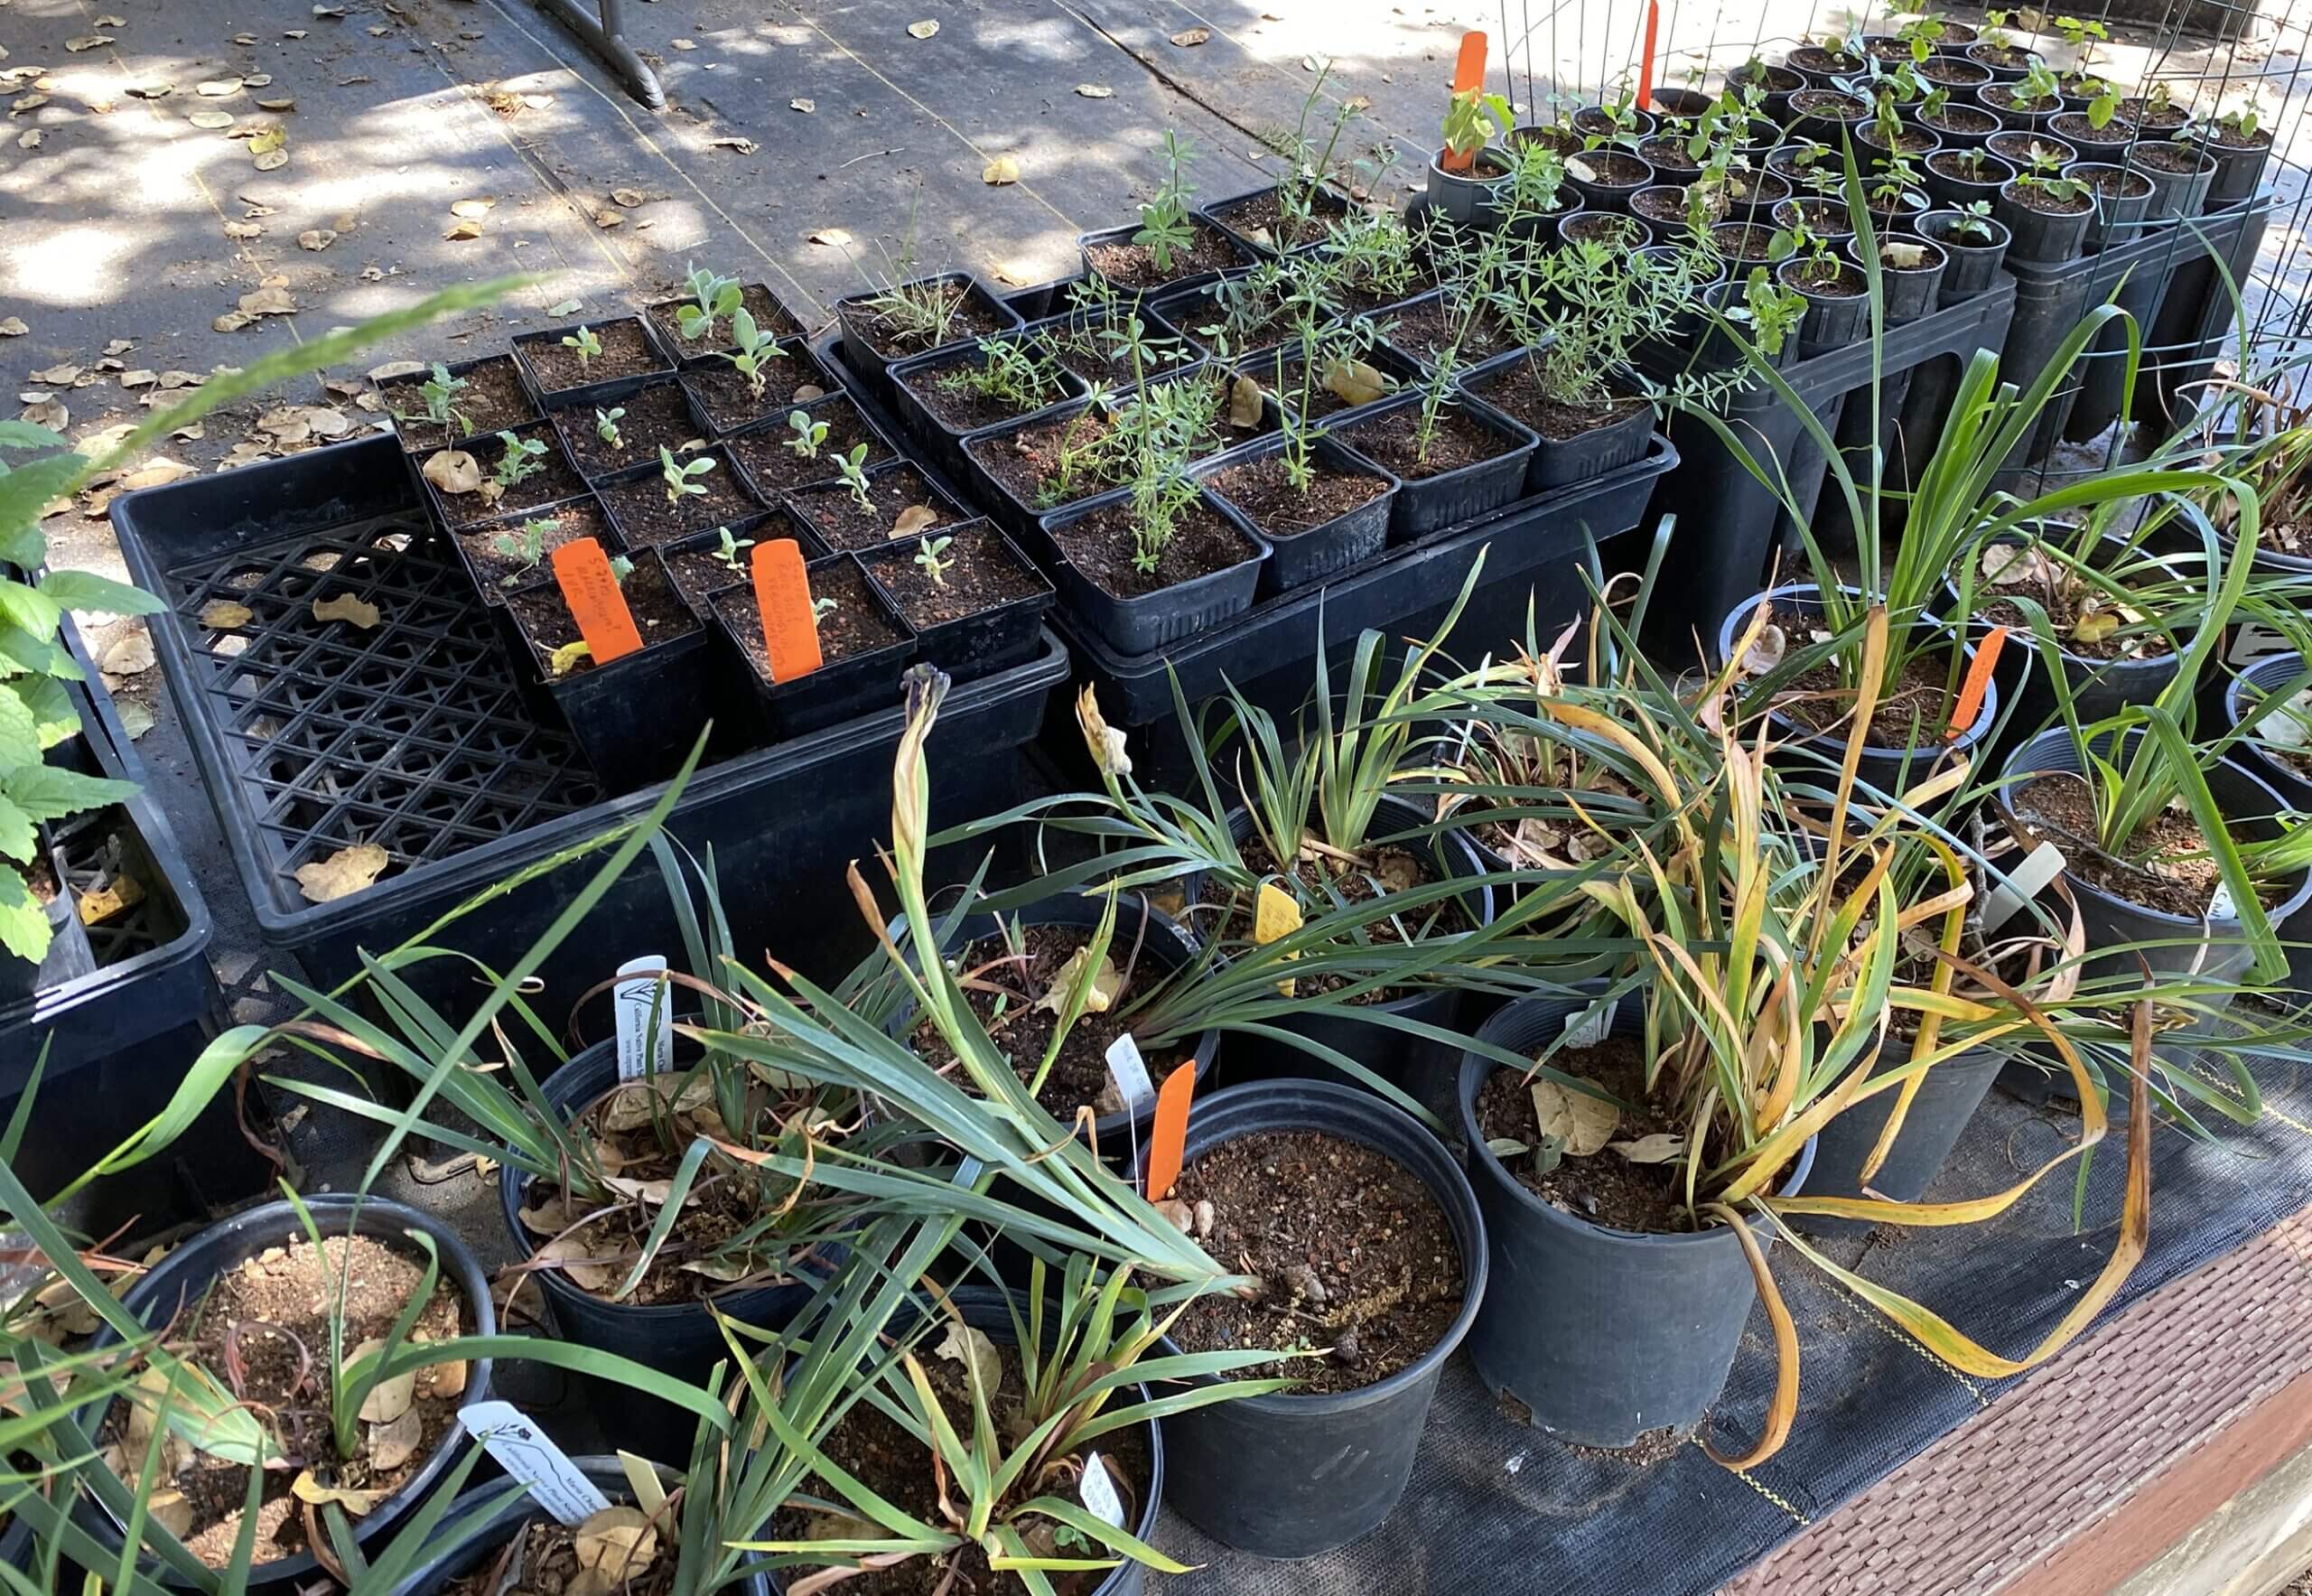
(524, 458)
(1974, 223)
(440, 391)
(1020, 375)
(756, 349)
(806, 434)
(1164, 230)
(927, 554)
(606, 426)
(679, 474)
(527, 546)
(712, 298)
(728, 551)
(1307, 163)
(1769, 310)
(851, 470)
(585, 342)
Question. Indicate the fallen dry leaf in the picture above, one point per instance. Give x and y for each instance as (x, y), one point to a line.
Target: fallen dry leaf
(59, 375)
(1245, 402)
(682, 44)
(316, 237)
(569, 1253)
(343, 873)
(607, 218)
(804, 106)
(463, 227)
(152, 91)
(129, 654)
(110, 902)
(833, 238)
(974, 1349)
(913, 519)
(1584, 1123)
(472, 207)
(31, 138)
(1003, 170)
(1095, 91)
(924, 29)
(745, 146)
(243, 229)
(211, 119)
(88, 42)
(452, 471)
(223, 614)
(157, 471)
(287, 103)
(46, 410)
(12, 327)
(218, 88)
(345, 607)
(628, 198)
(134, 718)
(1189, 37)
(1660, 1147)
(394, 1444)
(268, 301)
(306, 1489)
(611, 1545)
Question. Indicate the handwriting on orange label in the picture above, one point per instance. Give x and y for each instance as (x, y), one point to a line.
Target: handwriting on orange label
(1978, 682)
(790, 633)
(1171, 1132)
(584, 571)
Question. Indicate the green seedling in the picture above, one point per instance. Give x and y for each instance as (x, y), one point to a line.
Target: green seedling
(606, 426)
(756, 349)
(927, 554)
(524, 458)
(1164, 228)
(526, 547)
(712, 298)
(806, 434)
(852, 469)
(728, 551)
(585, 342)
(679, 475)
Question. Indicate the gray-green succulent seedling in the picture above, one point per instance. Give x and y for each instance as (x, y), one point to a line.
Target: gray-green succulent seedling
(621, 567)
(712, 298)
(1164, 228)
(677, 474)
(755, 349)
(606, 426)
(852, 469)
(524, 458)
(807, 434)
(526, 546)
(927, 554)
(728, 551)
(585, 342)
(822, 607)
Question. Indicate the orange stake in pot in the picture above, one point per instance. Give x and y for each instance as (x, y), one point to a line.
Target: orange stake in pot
(790, 633)
(583, 571)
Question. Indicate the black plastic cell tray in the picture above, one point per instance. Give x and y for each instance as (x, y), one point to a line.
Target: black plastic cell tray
(413, 734)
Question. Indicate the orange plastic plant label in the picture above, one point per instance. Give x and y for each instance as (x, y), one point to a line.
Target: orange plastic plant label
(1468, 74)
(584, 572)
(1170, 1133)
(1978, 682)
(790, 631)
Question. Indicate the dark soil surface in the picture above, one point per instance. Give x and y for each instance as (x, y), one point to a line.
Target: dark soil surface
(659, 611)
(1958, 119)
(627, 351)
(700, 572)
(892, 489)
(2009, 57)
(1835, 279)
(728, 400)
(856, 625)
(2010, 96)
(985, 576)
(1615, 169)
(1747, 243)
(2231, 140)
(1389, 441)
(547, 1557)
(1264, 491)
(2165, 120)
(1911, 141)
(2034, 196)
(1132, 266)
(963, 317)
(259, 1315)
(1828, 103)
(1824, 218)
(1667, 154)
(646, 516)
(2148, 870)
(1355, 1257)
(1912, 716)
(1004, 988)
(1600, 227)
(761, 304)
(1028, 458)
(774, 468)
(1101, 545)
(1261, 218)
(1518, 391)
(2177, 160)
(1423, 329)
(1667, 206)
(492, 400)
(656, 416)
(1812, 58)
(945, 390)
(551, 479)
(1962, 165)
(581, 517)
(1931, 260)
(1085, 351)
(875, 1449)
(1949, 70)
(1603, 1187)
(2015, 148)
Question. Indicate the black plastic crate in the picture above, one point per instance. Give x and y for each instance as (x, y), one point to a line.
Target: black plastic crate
(413, 734)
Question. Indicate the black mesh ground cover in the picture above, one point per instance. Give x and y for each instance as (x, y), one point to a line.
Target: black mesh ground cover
(1496, 1507)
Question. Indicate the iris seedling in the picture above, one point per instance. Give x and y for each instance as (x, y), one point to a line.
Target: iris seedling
(927, 555)
(606, 426)
(584, 341)
(808, 434)
(677, 473)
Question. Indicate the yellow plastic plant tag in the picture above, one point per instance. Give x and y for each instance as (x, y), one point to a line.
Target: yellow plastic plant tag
(1276, 915)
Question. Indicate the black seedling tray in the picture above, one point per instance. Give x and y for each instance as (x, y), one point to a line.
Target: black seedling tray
(413, 734)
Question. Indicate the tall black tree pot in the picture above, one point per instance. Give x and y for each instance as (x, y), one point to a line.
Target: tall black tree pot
(2270, 674)
(1292, 1476)
(1948, 1095)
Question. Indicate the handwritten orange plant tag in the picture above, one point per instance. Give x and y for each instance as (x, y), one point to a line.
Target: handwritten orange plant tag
(1978, 682)
(584, 572)
(1170, 1133)
(1469, 72)
(790, 633)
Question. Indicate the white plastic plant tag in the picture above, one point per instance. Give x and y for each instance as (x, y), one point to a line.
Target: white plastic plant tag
(2253, 642)
(2220, 906)
(1129, 1071)
(1588, 1028)
(1100, 1497)
(524, 1451)
(2041, 865)
(638, 1002)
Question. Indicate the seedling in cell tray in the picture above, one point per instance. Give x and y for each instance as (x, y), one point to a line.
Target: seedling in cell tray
(928, 553)
(680, 475)
(1306, 165)
(805, 434)
(728, 553)
(1019, 374)
(822, 607)
(524, 458)
(525, 547)
(1164, 226)
(440, 392)
(713, 298)
(852, 469)
(585, 343)
(606, 426)
(755, 351)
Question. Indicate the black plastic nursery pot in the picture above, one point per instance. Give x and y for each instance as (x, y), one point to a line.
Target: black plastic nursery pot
(1428, 504)
(1890, 771)
(1907, 291)
(1290, 1476)
(1413, 1064)
(941, 440)
(1962, 126)
(2211, 948)
(2122, 194)
(2015, 148)
(1296, 558)
(312, 737)
(588, 391)
(637, 716)
(1948, 1095)
(872, 359)
(1143, 623)
(1184, 272)
(1561, 462)
(989, 640)
(1838, 310)
(679, 1339)
(2181, 175)
(1950, 177)
(1602, 1335)
(1970, 265)
(1471, 198)
(840, 689)
(471, 1552)
(2041, 237)
(176, 1287)
(1618, 175)
(2239, 168)
(1325, 205)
